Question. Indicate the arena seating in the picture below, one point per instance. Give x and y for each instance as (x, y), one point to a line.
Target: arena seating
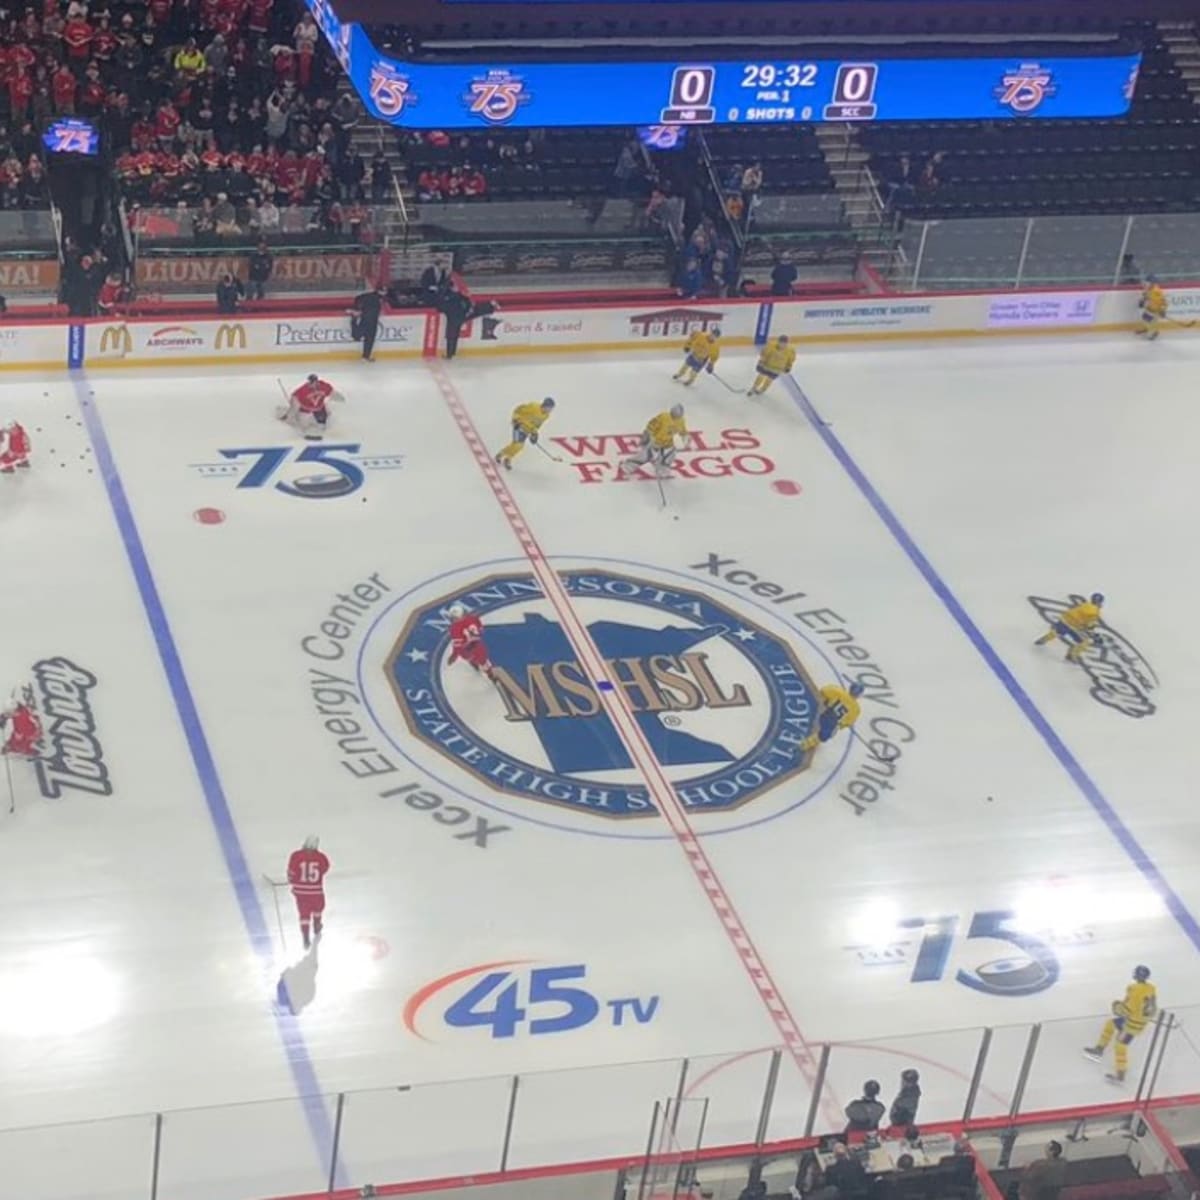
(1145, 162)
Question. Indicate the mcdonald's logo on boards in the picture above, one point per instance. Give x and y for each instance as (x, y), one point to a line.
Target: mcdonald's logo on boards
(115, 339)
(231, 337)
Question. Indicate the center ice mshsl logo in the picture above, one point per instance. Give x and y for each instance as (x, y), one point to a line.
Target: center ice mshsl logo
(722, 704)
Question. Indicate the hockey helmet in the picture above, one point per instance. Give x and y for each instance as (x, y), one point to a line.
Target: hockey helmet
(456, 611)
(1151, 278)
(1141, 974)
(715, 331)
(782, 339)
(312, 379)
(856, 688)
(677, 410)
(312, 842)
(1097, 598)
(548, 402)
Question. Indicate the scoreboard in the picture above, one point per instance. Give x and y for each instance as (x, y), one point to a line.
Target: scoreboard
(72, 135)
(772, 90)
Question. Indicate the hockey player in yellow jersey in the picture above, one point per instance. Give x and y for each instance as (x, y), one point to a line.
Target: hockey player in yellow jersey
(527, 419)
(1153, 303)
(1075, 626)
(839, 710)
(1130, 1016)
(700, 352)
(775, 360)
(658, 443)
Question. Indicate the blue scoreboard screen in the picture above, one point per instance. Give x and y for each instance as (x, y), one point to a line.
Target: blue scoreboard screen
(697, 91)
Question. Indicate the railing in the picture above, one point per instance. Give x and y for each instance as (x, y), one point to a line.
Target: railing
(300, 224)
(1013, 252)
(173, 270)
(28, 229)
(508, 1124)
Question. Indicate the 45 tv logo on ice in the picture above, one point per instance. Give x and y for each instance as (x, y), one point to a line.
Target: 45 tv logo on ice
(325, 471)
(516, 997)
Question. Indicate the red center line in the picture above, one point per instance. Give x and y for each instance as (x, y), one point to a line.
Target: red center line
(634, 741)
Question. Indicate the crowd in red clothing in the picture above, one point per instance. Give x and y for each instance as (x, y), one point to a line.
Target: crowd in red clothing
(185, 92)
(456, 166)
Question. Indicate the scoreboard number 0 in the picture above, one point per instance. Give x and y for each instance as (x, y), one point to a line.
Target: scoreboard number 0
(691, 97)
(853, 93)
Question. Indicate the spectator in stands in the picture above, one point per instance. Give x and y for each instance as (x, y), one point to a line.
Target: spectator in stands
(928, 181)
(901, 181)
(691, 278)
(752, 181)
(429, 186)
(261, 266)
(908, 1099)
(190, 61)
(628, 171)
(229, 294)
(381, 178)
(224, 216)
(783, 276)
(109, 296)
(864, 1114)
(1044, 1178)
(847, 1174)
(268, 216)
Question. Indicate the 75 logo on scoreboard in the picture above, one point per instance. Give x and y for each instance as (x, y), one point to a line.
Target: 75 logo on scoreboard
(497, 96)
(514, 996)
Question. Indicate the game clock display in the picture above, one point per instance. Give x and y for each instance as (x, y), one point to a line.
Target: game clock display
(772, 92)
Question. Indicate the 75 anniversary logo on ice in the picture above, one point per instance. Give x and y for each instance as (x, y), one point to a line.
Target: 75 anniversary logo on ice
(719, 667)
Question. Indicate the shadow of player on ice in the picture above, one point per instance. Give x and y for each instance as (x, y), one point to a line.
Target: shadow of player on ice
(297, 986)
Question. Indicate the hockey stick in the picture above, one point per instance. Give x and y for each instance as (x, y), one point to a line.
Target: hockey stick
(727, 385)
(1180, 324)
(12, 795)
(551, 457)
(662, 491)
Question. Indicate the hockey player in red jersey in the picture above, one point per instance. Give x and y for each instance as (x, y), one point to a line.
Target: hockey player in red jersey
(306, 408)
(21, 726)
(307, 868)
(466, 638)
(14, 448)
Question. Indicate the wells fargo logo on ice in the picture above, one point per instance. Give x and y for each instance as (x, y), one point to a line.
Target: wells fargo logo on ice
(72, 757)
(706, 454)
(722, 704)
(1120, 675)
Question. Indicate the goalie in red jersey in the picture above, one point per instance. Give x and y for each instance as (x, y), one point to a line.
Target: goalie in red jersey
(14, 448)
(466, 638)
(307, 868)
(20, 726)
(306, 408)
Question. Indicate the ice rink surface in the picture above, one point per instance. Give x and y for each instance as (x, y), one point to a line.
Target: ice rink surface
(244, 636)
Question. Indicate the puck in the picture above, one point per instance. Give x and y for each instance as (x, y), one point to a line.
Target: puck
(674, 518)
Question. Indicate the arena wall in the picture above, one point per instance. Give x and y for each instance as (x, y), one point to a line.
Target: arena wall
(105, 344)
